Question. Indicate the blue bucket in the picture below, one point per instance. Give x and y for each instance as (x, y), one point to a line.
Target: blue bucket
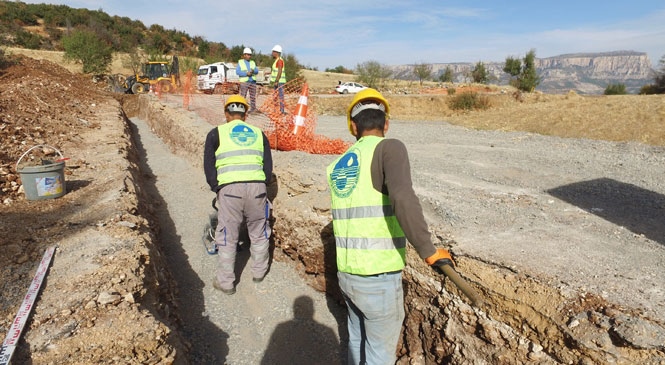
(45, 181)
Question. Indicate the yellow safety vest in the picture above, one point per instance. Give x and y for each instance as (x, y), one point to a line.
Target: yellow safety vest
(368, 237)
(273, 74)
(239, 156)
(243, 67)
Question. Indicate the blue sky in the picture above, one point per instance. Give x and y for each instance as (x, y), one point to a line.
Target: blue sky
(328, 33)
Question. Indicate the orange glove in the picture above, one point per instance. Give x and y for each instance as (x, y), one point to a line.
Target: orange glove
(440, 257)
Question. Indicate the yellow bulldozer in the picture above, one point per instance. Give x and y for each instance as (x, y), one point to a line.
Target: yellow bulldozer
(160, 75)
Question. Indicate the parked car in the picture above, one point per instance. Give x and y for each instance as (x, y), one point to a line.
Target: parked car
(349, 87)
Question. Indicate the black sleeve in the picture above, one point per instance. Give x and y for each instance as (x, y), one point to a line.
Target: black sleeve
(267, 159)
(211, 145)
(391, 174)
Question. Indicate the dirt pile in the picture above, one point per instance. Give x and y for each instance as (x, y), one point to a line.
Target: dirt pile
(105, 298)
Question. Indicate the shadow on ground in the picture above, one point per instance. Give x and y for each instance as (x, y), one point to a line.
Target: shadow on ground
(639, 210)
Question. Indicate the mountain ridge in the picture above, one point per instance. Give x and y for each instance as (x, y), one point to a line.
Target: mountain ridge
(584, 73)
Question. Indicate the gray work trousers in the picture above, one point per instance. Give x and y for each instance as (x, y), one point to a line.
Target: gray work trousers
(251, 87)
(237, 202)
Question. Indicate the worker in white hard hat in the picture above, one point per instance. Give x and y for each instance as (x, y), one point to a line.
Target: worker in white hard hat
(375, 210)
(247, 71)
(278, 75)
(237, 162)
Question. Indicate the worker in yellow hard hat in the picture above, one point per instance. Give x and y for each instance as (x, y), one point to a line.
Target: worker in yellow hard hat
(237, 162)
(375, 211)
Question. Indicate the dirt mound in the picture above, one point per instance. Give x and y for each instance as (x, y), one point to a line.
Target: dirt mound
(104, 276)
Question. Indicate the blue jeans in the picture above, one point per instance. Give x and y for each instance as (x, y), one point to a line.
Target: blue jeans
(376, 312)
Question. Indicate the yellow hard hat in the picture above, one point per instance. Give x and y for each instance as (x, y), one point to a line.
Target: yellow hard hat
(236, 99)
(366, 99)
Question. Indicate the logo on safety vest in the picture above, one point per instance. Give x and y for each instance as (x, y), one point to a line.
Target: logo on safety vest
(242, 135)
(345, 175)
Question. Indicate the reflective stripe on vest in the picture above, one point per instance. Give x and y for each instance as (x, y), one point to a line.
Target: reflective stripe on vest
(239, 156)
(273, 74)
(368, 237)
(243, 67)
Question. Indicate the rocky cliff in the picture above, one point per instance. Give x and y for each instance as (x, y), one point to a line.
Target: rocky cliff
(585, 73)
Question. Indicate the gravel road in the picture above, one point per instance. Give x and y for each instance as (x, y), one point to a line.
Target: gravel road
(278, 319)
(580, 215)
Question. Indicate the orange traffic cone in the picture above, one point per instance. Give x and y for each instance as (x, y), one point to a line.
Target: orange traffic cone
(301, 109)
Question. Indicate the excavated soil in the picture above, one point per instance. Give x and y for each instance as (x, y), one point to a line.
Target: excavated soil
(562, 237)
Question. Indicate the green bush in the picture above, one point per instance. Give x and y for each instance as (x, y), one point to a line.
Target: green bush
(451, 91)
(4, 61)
(615, 89)
(468, 101)
(86, 47)
(27, 40)
(648, 90)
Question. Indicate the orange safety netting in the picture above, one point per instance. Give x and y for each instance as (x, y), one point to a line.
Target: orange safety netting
(292, 121)
(289, 119)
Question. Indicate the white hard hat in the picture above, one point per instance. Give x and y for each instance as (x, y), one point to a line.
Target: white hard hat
(247, 50)
(277, 48)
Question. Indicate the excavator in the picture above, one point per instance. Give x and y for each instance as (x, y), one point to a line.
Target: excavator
(160, 75)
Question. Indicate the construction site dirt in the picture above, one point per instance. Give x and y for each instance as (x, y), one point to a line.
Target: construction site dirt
(553, 208)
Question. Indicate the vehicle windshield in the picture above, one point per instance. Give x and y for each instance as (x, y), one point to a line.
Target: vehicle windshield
(203, 71)
(156, 70)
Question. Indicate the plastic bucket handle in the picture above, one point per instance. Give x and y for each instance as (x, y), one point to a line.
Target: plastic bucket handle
(33, 147)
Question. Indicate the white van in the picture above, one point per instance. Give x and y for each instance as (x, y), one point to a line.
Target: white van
(215, 75)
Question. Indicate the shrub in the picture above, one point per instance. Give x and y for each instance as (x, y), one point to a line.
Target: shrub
(85, 46)
(4, 62)
(648, 90)
(468, 101)
(27, 40)
(615, 89)
(451, 91)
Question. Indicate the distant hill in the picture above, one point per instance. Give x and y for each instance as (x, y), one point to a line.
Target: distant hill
(585, 73)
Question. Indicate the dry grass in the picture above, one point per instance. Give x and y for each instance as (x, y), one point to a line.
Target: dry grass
(639, 118)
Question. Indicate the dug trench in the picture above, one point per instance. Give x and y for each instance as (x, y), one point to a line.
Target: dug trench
(561, 237)
(527, 316)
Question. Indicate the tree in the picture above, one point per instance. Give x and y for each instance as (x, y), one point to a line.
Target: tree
(524, 77)
(236, 52)
(86, 47)
(423, 71)
(615, 89)
(447, 75)
(292, 67)
(513, 66)
(529, 77)
(479, 73)
(339, 69)
(658, 87)
(372, 73)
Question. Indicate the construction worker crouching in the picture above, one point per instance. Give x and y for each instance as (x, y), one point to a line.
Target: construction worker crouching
(375, 210)
(238, 164)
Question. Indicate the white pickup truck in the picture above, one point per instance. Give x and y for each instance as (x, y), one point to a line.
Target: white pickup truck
(221, 78)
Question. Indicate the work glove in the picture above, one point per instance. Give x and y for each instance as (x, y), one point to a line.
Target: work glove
(440, 257)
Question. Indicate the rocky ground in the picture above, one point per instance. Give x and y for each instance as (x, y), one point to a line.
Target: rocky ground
(563, 237)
